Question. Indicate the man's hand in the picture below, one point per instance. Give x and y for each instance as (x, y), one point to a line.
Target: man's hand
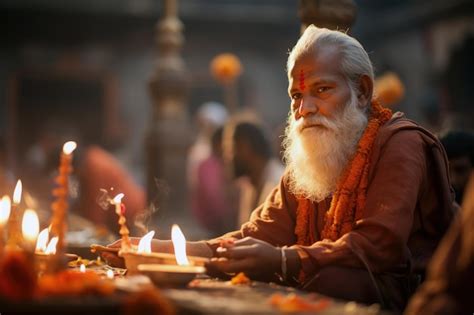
(255, 258)
(112, 258)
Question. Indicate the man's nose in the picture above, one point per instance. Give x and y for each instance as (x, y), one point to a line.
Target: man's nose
(307, 107)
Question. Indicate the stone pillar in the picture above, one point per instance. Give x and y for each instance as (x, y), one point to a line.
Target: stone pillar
(331, 14)
(168, 134)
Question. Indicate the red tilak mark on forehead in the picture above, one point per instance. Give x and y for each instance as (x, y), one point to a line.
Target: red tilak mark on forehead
(302, 86)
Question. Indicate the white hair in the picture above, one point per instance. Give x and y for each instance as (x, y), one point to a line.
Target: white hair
(354, 59)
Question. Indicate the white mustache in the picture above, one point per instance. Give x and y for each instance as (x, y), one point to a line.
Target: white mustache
(314, 120)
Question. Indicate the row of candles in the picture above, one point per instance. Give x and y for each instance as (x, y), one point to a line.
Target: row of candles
(29, 238)
(9, 217)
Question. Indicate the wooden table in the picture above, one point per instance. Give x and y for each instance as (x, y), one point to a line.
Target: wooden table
(210, 296)
(204, 297)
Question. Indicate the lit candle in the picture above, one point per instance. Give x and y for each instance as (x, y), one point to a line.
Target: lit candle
(179, 244)
(82, 268)
(5, 207)
(51, 248)
(30, 229)
(122, 221)
(110, 274)
(144, 246)
(14, 224)
(60, 205)
(42, 242)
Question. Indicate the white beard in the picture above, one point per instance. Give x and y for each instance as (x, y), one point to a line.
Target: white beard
(317, 156)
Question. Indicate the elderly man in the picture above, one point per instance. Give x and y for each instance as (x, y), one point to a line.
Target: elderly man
(365, 195)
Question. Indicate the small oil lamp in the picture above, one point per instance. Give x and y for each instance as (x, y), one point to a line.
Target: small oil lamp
(181, 272)
(45, 251)
(144, 256)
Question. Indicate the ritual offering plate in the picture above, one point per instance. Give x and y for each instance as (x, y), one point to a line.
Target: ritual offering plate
(170, 275)
(133, 259)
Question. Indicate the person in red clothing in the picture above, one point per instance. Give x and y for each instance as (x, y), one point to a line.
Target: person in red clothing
(98, 169)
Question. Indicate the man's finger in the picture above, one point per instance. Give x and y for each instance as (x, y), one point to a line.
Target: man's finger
(246, 241)
(117, 243)
(240, 252)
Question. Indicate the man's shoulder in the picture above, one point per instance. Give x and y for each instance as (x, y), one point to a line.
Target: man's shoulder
(401, 127)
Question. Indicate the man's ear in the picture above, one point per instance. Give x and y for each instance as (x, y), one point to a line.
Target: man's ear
(365, 90)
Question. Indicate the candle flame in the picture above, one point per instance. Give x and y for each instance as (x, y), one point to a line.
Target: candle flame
(30, 225)
(179, 244)
(82, 268)
(51, 249)
(69, 146)
(17, 192)
(110, 274)
(42, 241)
(144, 246)
(118, 198)
(5, 207)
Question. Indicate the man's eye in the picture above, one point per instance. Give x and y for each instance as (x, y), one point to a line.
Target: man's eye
(323, 89)
(296, 96)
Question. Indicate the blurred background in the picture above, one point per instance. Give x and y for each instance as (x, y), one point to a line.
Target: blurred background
(126, 79)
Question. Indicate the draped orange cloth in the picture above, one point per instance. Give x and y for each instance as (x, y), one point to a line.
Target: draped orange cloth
(348, 201)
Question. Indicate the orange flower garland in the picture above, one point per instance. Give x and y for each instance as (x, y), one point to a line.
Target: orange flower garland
(348, 201)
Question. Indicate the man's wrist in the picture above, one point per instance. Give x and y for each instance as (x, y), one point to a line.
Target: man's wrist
(283, 264)
(289, 265)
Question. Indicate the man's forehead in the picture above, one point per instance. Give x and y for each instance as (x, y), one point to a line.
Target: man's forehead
(324, 59)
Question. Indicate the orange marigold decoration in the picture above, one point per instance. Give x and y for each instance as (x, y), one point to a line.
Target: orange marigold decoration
(348, 201)
(240, 278)
(17, 277)
(226, 67)
(293, 303)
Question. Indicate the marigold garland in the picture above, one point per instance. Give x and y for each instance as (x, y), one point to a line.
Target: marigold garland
(348, 201)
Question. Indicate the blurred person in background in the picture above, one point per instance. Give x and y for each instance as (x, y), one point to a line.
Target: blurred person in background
(249, 156)
(459, 146)
(449, 285)
(212, 205)
(209, 117)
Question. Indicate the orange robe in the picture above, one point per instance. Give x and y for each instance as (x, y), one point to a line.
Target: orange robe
(409, 207)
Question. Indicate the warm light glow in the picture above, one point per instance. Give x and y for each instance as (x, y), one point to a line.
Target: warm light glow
(110, 274)
(17, 192)
(82, 268)
(30, 225)
(5, 206)
(179, 244)
(144, 246)
(118, 198)
(68, 147)
(51, 249)
(42, 241)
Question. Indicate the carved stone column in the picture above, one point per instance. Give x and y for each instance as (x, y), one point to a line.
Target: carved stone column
(331, 14)
(168, 134)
